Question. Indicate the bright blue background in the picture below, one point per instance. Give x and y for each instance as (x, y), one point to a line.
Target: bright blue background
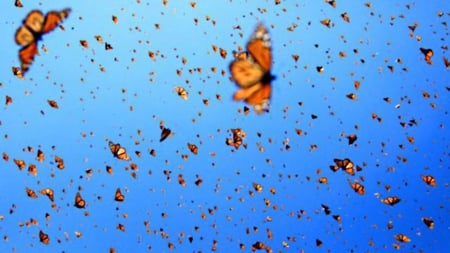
(92, 104)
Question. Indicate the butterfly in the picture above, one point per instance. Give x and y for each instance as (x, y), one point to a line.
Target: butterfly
(358, 188)
(33, 27)
(31, 193)
(119, 196)
(79, 201)
(43, 237)
(165, 132)
(402, 238)
(428, 53)
(429, 180)
(49, 193)
(251, 71)
(118, 151)
(391, 200)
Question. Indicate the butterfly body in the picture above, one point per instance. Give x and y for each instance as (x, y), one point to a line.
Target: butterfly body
(251, 71)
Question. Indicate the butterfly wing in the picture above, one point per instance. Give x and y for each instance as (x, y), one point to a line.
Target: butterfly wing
(53, 19)
(245, 72)
(260, 49)
(26, 55)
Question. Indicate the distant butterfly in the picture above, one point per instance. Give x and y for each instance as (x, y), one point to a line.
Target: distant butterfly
(119, 196)
(358, 188)
(428, 53)
(43, 237)
(31, 193)
(79, 201)
(251, 71)
(34, 26)
(429, 180)
(402, 238)
(391, 200)
(118, 151)
(165, 132)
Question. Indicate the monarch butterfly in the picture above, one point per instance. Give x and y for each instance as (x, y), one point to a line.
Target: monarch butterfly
(32, 169)
(49, 193)
(352, 138)
(40, 155)
(43, 237)
(182, 92)
(429, 180)
(193, 148)
(251, 71)
(446, 62)
(358, 188)
(18, 4)
(119, 196)
(34, 26)
(258, 187)
(391, 200)
(60, 162)
(165, 133)
(428, 222)
(118, 151)
(17, 72)
(20, 164)
(31, 193)
(428, 53)
(402, 238)
(79, 201)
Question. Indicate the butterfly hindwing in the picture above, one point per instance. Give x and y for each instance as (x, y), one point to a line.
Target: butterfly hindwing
(26, 55)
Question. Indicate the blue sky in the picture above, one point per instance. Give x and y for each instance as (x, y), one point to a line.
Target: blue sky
(95, 108)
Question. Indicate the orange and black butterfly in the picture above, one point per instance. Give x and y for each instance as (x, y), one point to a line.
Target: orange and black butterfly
(34, 26)
(31, 193)
(49, 193)
(119, 196)
(429, 180)
(43, 237)
(402, 238)
(79, 201)
(251, 71)
(165, 132)
(428, 53)
(193, 148)
(118, 151)
(391, 200)
(358, 188)
(428, 222)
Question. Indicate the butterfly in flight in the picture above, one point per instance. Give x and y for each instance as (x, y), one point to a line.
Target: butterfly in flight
(251, 71)
(33, 27)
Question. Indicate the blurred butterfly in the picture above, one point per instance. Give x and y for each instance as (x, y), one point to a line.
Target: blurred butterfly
(20, 164)
(182, 92)
(429, 180)
(119, 196)
(193, 148)
(79, 201)
(31, 193)
(428, 53)
(43, 237)
(165, 132)
(251, 71)
(428, 222)
(402, 238)
(118, 151)
(358, 188)
(391, 200)
(34, 26)
(49, 193)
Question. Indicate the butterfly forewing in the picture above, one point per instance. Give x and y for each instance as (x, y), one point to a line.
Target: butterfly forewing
(260, 49)
(26, 55)
(34, 21)
(53, 19)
